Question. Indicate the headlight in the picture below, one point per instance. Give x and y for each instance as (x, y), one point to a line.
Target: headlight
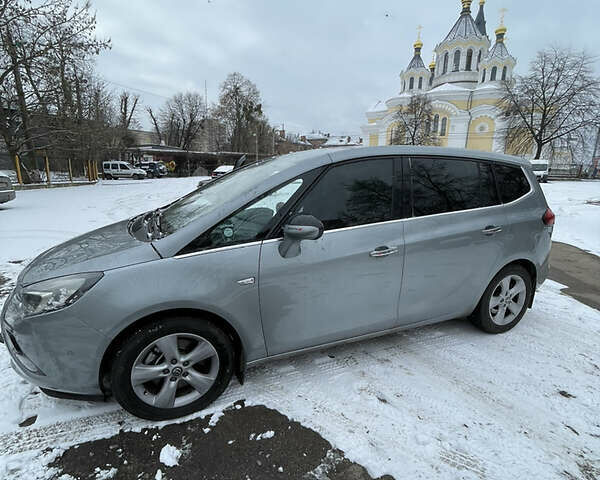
(48, 295)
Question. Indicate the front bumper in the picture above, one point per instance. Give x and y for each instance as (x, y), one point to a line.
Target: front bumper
(7, 195)
(55, 351)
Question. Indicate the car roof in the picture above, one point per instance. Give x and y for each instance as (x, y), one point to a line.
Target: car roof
(341, 154)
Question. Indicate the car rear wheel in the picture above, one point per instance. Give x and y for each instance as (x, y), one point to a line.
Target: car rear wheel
(171, 368)
(505, 300)
(108, 176)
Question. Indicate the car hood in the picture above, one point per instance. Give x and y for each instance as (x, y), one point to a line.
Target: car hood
(99, 250)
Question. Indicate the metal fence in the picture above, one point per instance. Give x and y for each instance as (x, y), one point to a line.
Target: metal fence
(44, 171)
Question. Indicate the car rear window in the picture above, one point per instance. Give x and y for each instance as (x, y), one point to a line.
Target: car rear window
(447, 185)
(512, 182)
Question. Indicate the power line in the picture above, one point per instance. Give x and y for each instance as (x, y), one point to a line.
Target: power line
(136, 89)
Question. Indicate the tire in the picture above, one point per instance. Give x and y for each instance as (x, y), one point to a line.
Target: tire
(151, 397)
(493, 318)
(108, 176)
(150, 175)
(136, 176)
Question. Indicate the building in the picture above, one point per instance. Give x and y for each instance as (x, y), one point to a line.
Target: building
(342, 141)
(463, 83)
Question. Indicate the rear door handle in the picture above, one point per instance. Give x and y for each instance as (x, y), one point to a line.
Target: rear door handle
(383, 251)
(491, 230)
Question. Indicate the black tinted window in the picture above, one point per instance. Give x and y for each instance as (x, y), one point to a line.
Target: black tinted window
(511, 182)
(352, 194)
(441, 185)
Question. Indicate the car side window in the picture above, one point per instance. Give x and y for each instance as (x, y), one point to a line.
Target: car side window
(512, 182)
(114, 166)
(448, 185)
(352, 194)
(122, 166)
(249, 224)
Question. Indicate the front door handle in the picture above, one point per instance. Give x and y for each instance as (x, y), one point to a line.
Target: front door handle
(491, 230)
(383, 251)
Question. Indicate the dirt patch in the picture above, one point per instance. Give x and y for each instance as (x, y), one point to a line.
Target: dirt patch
(229, 449)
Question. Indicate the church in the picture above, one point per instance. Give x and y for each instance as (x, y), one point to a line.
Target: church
(463, 83)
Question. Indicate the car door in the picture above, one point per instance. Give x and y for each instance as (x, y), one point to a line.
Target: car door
(114, 170)
(346, 283)
(454, 239)
(124, 170)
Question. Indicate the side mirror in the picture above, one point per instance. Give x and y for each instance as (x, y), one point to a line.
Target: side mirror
(300, 227)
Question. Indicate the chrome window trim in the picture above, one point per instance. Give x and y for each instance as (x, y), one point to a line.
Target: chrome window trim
(220, 249)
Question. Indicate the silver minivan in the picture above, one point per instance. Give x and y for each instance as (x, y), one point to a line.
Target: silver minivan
(289, 254)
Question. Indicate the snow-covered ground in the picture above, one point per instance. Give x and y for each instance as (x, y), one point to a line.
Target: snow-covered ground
(445, 401)
(577, 218)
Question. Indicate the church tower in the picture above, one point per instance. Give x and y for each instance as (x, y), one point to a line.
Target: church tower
(461, 51)
(415, 79)
(498, 64)
(463, 85)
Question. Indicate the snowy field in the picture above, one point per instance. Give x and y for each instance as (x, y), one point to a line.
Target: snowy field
(445, 401)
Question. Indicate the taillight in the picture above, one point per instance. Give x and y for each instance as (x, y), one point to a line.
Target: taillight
(548, 217)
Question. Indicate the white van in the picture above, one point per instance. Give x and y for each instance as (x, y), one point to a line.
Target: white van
(540, 168)
(117, 169)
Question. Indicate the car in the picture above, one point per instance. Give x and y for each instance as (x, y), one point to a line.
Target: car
(116, 169)
(7, 192)
(282, 256)
(222, 170)
(217, 172)
(540, 169)
(153, 169)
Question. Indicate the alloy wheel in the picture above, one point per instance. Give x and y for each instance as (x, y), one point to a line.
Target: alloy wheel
(175, 370)
(507, 300)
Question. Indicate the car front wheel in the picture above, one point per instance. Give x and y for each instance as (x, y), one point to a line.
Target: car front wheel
(505, 300)
(171, 368)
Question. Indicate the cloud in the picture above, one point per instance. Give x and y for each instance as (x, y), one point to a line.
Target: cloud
(318, 64)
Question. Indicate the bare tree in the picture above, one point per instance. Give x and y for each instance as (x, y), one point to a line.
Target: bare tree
(558, 99)
(127, 118)
(414, 123)
(240, 111)
(180, 120)
(45, 55)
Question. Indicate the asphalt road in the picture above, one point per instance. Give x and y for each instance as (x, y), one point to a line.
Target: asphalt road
(578, 270)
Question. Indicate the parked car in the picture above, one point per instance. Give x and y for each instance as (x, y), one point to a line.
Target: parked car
(114, 170)
(289, 254)
(153, 169)
(7, 192)
(540, 169)
(217, 172)
(221, 170)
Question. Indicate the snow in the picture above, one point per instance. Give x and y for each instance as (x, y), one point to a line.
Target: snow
(444, 401)
(577, 220)
(448, 87)
(169, 455)
(263, 436)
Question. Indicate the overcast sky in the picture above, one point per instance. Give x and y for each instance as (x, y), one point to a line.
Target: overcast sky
(318, 64)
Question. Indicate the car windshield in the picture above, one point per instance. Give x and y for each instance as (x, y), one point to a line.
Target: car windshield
(218, 192)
